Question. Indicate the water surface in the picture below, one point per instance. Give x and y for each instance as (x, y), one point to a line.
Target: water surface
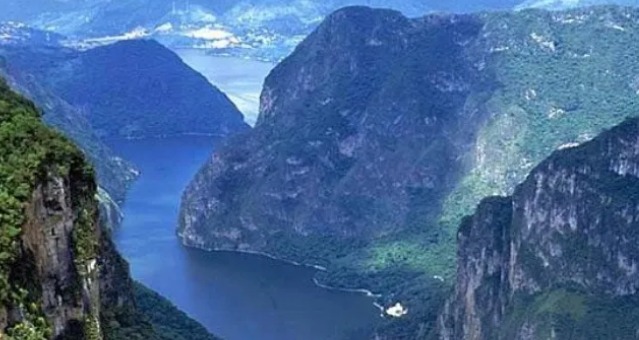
(236, 296)
(241, 79)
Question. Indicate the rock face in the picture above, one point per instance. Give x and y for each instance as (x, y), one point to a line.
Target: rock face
(69, 285)
(558, 259)
(50, 266)
(379, 124)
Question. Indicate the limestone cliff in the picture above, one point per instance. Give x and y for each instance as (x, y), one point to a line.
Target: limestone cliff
(49, 268)
(558, 259)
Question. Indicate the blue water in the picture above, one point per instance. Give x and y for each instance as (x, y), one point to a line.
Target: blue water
(236, 296)
(241, 79)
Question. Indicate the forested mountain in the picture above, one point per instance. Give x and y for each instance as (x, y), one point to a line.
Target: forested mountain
(379, 133)
(132, 89)
(60, 275)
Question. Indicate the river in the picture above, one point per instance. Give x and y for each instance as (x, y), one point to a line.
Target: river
(240, 79)
(236, 296)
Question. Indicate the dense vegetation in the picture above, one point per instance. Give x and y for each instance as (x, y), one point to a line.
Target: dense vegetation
(169, 322)
(154, 318)
(574, 314)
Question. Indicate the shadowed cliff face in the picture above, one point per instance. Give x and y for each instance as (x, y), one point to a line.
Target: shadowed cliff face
(560, 256)
(379, 124)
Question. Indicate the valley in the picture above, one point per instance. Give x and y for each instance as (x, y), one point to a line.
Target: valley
(476, 171)
(236, 296)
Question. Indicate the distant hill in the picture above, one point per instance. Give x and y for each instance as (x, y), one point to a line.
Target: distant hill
(267, 29)
(139, 88)
(258, 28)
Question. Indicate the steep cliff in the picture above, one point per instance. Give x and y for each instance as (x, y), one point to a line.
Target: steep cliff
(339, 148)
(558, 259)
(60, 275)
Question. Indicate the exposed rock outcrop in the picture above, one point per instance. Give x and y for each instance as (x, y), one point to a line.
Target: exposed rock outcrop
(558, 259)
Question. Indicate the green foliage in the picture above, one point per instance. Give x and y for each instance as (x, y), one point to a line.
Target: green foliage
(154, 318)
(27, 331)
(169, 322)
(92, 328)
(126, 323)
(85, 239)
(33, 326)
(571, 314)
